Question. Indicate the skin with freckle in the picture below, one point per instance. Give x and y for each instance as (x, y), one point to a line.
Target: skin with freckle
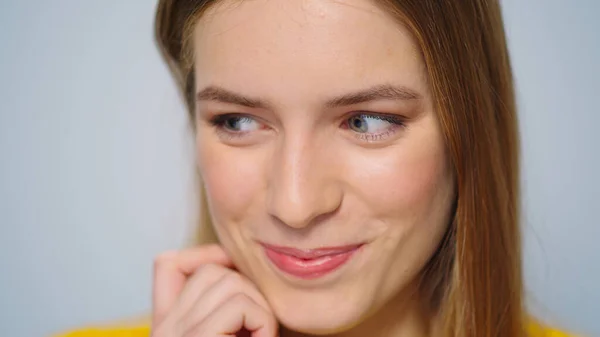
(299, 172)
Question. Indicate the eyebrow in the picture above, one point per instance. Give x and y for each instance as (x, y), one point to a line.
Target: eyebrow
(379, 92)
(376, 93)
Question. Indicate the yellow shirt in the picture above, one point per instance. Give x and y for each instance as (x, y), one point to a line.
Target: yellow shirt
(107, 332)
(535, 330)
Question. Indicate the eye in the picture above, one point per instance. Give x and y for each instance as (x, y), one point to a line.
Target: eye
(237, 128)
(236, 123)
(373, 127)
(367, 123)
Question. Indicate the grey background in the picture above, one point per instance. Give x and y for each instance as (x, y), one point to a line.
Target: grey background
(96, 173)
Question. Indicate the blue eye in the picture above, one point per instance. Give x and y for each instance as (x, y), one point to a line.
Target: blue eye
(240, 124)
(372, 124)
(236, 123)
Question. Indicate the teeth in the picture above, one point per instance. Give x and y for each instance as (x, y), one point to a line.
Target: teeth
(320, 257)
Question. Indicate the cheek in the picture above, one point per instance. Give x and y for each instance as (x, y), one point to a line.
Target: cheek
(231, 178)
(407, 182)
(409, 193)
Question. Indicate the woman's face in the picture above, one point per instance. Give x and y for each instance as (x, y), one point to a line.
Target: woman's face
(317, 135)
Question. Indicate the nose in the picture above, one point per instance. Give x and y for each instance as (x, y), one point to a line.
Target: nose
(303, 184)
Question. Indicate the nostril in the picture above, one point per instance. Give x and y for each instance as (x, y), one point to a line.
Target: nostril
(301, 191)
(298, 217)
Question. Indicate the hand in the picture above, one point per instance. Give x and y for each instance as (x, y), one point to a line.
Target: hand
(197, 293)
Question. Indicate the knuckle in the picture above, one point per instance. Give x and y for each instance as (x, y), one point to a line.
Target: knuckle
(241, 299)
(164, 258)
(206, 269)
(233, 280)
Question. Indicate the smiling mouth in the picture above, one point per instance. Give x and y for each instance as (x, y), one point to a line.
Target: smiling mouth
(309, 263)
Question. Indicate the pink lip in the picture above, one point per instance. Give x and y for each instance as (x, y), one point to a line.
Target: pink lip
(310, 263)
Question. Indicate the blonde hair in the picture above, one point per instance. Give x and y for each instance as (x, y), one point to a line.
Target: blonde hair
(474, 278)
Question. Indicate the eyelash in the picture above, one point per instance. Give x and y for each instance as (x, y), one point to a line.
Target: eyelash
(394, 120)
(219, 122)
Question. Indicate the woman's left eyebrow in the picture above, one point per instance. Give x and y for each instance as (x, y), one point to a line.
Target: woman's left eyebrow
(379, 92)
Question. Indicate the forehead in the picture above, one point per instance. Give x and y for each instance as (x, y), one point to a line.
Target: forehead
(308, 47)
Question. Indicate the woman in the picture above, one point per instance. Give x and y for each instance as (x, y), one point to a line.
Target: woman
(359, 163)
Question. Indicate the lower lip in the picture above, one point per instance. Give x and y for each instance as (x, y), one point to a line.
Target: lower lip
(309, 268)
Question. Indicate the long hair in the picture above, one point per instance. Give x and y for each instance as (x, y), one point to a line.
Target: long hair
(475, 277)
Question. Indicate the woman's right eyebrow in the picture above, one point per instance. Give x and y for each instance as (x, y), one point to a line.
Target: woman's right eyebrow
(375, 93)
(214, 93)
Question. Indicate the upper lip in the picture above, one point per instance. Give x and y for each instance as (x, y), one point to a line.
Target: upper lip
(308, 254)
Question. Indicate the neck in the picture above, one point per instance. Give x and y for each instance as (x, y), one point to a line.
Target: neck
(403, 316)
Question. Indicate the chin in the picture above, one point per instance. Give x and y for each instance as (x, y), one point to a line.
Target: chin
(317, 313)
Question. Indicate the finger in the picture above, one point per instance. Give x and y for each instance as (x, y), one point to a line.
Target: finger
(171, 271)
(217, 294)
(239, 312)
(205, 277)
